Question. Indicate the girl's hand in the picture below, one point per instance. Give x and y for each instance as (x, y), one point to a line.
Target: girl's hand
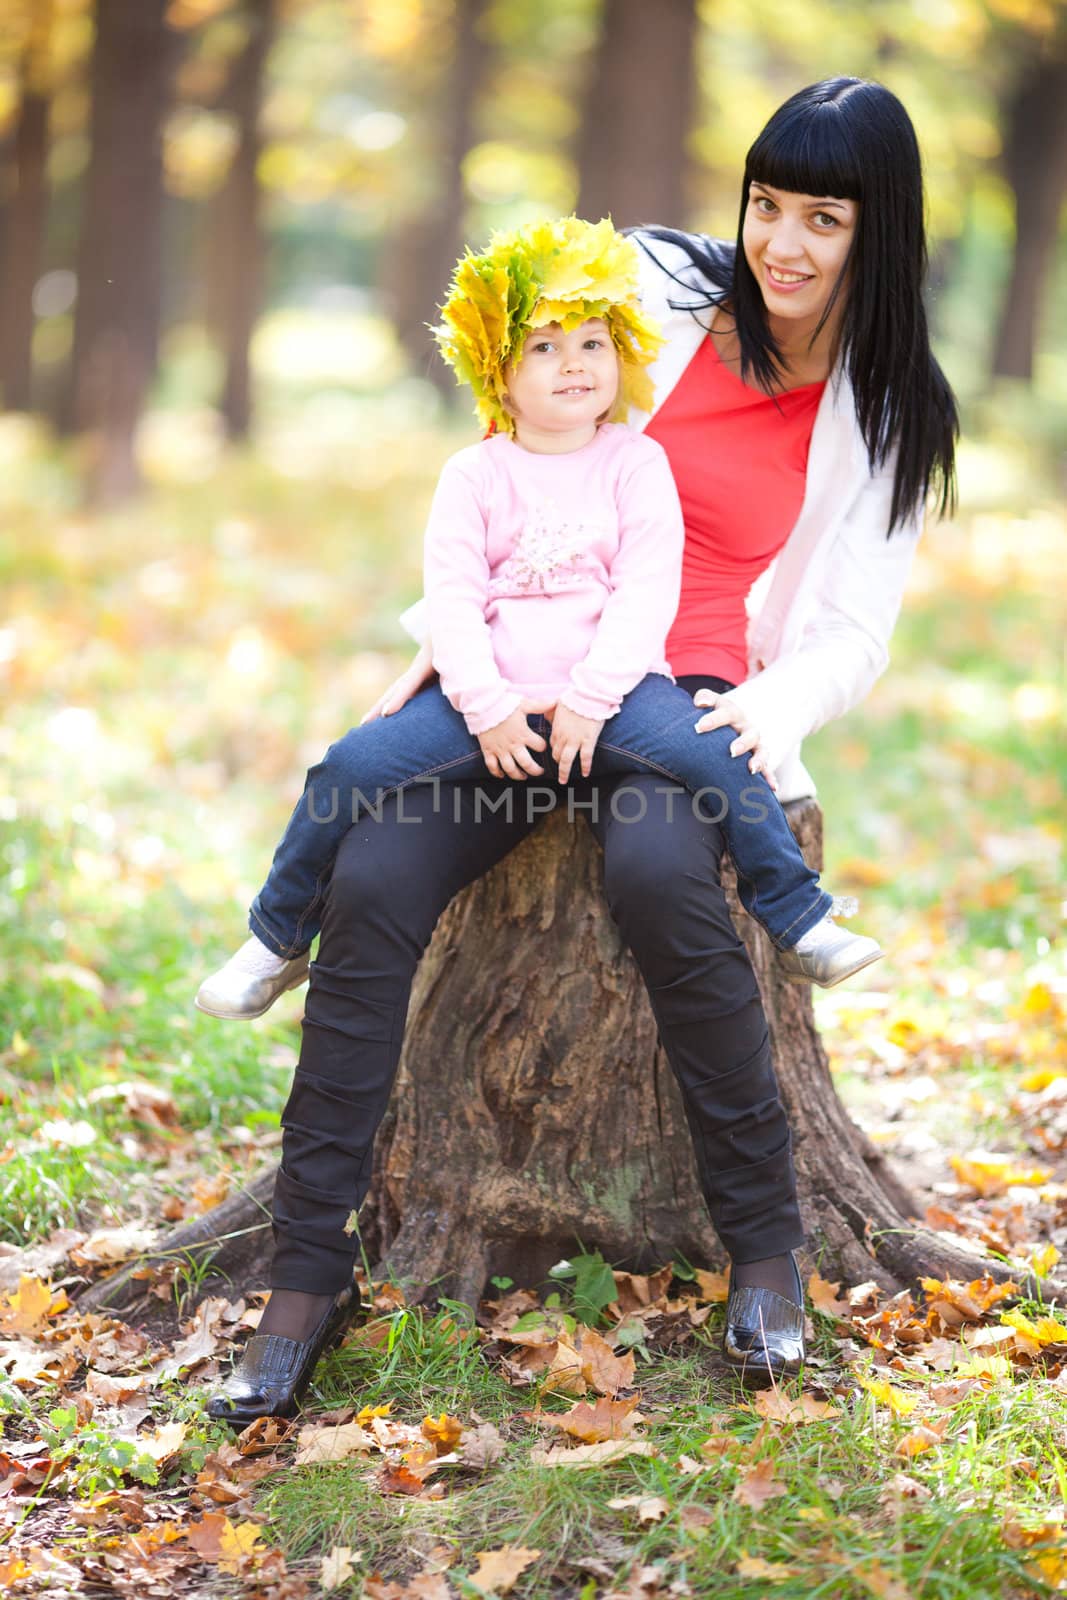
(572, 736)
(728, 714)
(507, 747)
(401, 690)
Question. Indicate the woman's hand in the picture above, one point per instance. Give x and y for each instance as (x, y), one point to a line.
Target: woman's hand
(728, 714)
(401, 689)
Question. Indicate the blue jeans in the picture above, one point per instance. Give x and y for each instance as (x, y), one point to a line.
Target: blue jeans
(653, 732)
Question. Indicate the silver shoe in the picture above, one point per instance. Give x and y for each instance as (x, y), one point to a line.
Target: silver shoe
(237, 992)
(827, 954)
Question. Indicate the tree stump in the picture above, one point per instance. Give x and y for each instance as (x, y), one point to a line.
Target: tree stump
(536, 1114)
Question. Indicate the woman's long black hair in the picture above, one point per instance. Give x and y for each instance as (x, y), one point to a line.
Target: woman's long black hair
(853, 140)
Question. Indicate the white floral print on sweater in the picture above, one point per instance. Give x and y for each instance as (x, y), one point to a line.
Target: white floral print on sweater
(549, 551)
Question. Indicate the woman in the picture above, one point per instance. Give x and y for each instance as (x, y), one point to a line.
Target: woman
(806, 419)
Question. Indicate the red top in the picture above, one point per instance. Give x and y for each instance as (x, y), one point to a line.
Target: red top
(739, 459)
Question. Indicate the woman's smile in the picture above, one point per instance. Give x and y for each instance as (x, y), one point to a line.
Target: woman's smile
(786, 282)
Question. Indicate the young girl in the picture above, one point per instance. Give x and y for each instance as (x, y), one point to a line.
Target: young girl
(553, 566)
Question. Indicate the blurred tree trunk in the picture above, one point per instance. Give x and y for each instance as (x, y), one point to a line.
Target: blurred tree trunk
(26, 215)
(632, 160)
(116, 323)
(1035, 163)
(418, 261)
(236, 243)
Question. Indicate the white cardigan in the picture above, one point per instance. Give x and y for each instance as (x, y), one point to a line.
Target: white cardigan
(818, 638)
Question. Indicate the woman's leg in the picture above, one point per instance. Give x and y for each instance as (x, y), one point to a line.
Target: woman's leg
(390, 883)
(661, 877)
(425, 739)
(654, 731)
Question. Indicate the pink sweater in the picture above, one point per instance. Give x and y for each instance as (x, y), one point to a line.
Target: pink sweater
(552, 577)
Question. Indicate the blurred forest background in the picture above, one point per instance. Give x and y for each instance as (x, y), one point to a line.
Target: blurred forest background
(228, 203)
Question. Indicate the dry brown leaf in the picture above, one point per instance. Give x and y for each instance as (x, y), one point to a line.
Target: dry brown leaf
(756, 1567)
(317, 1445)
(636, 1293)
(565, 1373)
(880, 1582)
(35, 1260)
(164, 1442)
(825, 1297)
(113, 1391)
(713, 1286)
(590, 1455)
(694, 1518)
(144, 1102)
(106, 1247)
(266, 1433)
(924, 1437)
(758, 1485)
(396, 1478)
(336, 1567)
(202, 1341)
(481, 1446)
(778, 1407)
(205, 1535)
(607, 1419)
(211, 1191)
(602, 1369)
(650, 1507)
(497, 1569)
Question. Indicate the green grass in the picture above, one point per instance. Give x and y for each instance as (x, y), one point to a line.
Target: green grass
(1002, 1456)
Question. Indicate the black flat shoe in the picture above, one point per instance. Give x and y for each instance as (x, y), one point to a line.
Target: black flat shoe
(274, 1371)
(764, 1336)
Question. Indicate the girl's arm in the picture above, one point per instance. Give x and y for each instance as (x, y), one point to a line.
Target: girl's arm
(456, 575)
(646, 577)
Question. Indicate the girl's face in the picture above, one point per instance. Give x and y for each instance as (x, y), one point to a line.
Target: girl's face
(796, 246)
(564, 382)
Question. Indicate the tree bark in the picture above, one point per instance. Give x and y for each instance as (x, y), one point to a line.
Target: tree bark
(236, 244)
(632, 159)
(27, 211)
(535, 1113)
(1035, 163)
(418, 262)
(116, 324)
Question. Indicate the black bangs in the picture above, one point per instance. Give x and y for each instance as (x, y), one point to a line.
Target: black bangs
(807, 150)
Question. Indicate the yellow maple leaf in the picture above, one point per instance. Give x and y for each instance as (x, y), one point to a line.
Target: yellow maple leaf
(26, 1308)
(992, 1174)
(238, 1541)
(365, 1413)
(1046, 1330)
(443, 1432)
(900, 1403)
(1044, 1259)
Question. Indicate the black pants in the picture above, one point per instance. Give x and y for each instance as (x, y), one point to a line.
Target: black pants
(391, 882)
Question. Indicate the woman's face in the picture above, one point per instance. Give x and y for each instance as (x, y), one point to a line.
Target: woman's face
(796, 246)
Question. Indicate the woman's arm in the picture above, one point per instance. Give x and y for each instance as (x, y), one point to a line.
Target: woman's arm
(843, 646)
